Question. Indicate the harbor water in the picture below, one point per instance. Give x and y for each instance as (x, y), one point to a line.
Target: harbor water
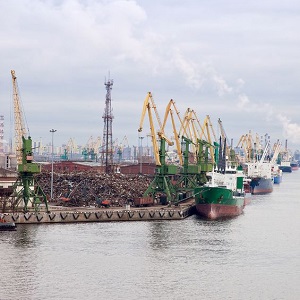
(253, 256)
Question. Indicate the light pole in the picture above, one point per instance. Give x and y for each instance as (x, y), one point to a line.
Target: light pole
(51, 187)
(141, 155)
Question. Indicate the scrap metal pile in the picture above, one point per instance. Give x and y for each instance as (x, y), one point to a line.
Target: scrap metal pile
(91, 188)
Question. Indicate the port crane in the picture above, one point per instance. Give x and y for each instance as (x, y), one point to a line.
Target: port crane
(171, 107)
(208, 132)
(199, 135)
(92, 148)
(203, 149)
(276, 151)
(124, 143)
(188, 174)
(25, 190)
(161, 183)
(20, 129)
(246, 143)
(200, 138)
(190, 128)
(175, 180)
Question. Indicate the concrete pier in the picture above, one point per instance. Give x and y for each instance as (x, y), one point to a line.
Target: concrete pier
(112, 214)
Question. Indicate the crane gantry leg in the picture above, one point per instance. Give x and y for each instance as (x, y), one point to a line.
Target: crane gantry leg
(26, 189)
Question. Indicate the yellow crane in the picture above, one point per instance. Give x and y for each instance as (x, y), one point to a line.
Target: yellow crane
(120, 147)
(189, 126)
(190, 129)
(148, 106)
(169, 112)
(275, 152)
(208, 132)
(162, 182)
(195, 131)
(93, 144)
(20, 130)
(248, 144)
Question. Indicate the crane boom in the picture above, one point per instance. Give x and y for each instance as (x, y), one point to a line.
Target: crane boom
(20, 130)
(277, 147)
(147, 107)
(149, 102)
(168, 112)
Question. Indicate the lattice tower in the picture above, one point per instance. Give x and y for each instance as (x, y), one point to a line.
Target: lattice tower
(107, 150)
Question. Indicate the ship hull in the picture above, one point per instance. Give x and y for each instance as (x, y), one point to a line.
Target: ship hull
(286, 169)
(277, 179)
(261, 186)
(247, 198)
(7, 226)
(218, 202)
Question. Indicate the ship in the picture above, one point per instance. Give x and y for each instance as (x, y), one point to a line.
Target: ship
(284, 160)
(7, 226)
(260, 174)
(277, 176)
(285, 166)
(261, 185)
(223, 196)
(276, 172)
(247, 190)
(294, 165)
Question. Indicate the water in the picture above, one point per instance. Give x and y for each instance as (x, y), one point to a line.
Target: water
(253, 256)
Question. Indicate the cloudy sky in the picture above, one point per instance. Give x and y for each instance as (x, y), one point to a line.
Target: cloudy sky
(234, 60)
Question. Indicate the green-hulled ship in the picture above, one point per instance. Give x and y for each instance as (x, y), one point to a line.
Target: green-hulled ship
(224, 194)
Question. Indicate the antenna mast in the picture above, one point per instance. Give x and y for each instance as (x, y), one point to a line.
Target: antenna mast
(107, 145)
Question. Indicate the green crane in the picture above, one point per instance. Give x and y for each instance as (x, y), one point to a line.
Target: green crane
(26, 189)
(162, 182)
(189, 175)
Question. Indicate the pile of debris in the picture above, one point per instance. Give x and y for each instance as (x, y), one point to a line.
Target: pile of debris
(91, 188)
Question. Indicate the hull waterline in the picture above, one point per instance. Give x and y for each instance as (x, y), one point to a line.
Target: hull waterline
(261, 186)
(218, 202)
(217, 211)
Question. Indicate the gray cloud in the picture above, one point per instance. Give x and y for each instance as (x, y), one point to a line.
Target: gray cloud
(236, 62)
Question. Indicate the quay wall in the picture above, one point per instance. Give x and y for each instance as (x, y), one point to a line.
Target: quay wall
(98, 215)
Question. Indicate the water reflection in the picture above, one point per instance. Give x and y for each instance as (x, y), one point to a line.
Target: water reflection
(188, 259)
(18, 253)
(25, 236)
(160, 235)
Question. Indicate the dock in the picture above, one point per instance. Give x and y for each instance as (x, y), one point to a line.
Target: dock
(92, 214)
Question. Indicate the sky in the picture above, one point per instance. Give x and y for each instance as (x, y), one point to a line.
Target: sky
(234, 60)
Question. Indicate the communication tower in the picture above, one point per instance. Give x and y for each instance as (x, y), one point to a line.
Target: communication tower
(107, 142)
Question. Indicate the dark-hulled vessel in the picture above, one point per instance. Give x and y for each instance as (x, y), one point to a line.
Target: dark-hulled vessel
(285, 166)
(294, 165)
(7, 226)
